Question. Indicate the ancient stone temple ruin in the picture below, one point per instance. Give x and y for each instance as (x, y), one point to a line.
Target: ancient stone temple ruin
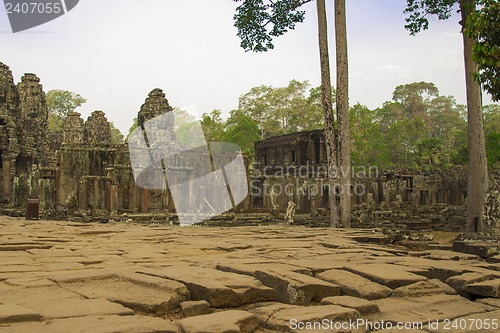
(80, 172)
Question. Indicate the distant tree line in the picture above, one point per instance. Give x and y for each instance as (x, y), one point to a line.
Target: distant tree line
(418, 129)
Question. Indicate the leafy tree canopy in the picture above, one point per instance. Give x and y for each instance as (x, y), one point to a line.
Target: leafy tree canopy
(59, 104)
(283, 110)
(419, 12)
(258, 21)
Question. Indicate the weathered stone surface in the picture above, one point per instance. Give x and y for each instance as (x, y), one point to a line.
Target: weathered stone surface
(141, 293)
(283, 317)
(73, 129)
(97, 131)
(361, 305)
(231, 321)
(422, 309)
(489, 288)
(422, 288)
(111, 255)
(195, 308)
(354, 285)
(10, 313)
(495, 302)
(392, 276)
(459, 282)
(30, 282)
(295, 288)
(80, 308)
(251, 268)
(220, 289)
(482, 249)
(96, 324)
(28, 297)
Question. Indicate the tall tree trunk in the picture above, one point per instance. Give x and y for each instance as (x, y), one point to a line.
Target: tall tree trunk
(477, 168)
(344, 136)
(326, 102)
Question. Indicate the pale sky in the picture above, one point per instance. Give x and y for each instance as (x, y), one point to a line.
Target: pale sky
(114, 52)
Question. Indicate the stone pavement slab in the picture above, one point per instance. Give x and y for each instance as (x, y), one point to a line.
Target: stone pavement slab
(220, 289)
(489, 288)
(126, 277)
(221, 322)
(392, 276)
(288, 318)
(95, 324)
(425, 308)
(361, 305)
(355, 285)
(155, 298)
(79, 308)
(10, 313)
(295, 288)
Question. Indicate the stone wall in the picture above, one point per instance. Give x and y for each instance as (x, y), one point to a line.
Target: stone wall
(290, 171)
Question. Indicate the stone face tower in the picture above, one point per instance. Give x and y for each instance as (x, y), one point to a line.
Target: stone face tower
(34, 115)
(73, 129)
(9, 146)
(97, 131)
(156, 104)
(8, 92)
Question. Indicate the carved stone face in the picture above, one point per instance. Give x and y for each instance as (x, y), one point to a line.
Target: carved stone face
(32, 112)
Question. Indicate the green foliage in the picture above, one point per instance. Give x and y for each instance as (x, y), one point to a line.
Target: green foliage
(241, 130)
(135, 124)
(419, 12)
(414, 96)
(484, 26)
(418, 129)
(492, 134)
(368, 146)
(59, 104)
(213, 126)
(282, 110)
(259, 21)
(116, 136)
